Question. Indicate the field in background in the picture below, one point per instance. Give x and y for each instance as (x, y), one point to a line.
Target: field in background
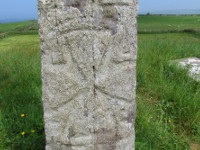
(27, 27)
(160, 24)
(7, 27)
(168, 101)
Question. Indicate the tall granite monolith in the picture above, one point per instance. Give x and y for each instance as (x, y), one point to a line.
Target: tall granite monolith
(88, 54)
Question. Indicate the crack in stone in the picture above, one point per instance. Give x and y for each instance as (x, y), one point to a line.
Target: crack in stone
(94, 72)
(55, 6)
(94, 86)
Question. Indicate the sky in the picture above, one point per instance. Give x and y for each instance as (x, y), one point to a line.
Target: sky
(27, 9)
(162, 5)
(21, 9)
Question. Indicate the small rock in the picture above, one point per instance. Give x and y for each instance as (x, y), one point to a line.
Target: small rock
(193, 66)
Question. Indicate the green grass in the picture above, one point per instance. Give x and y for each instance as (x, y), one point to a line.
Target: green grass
(20, 92)
(7, 27)
(168, 23)
(168, 107)
(27, 27)
(168, 104)
(168, 100)
(2, 133)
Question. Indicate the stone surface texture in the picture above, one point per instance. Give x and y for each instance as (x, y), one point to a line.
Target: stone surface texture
(88, 54)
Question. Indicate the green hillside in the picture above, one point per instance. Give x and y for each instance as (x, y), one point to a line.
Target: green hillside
(27, 27)
(7, 27)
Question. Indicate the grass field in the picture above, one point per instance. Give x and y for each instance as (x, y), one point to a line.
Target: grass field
(20, 92)
(27, 27)
(168, 101)
(150, 23)
(7, 27)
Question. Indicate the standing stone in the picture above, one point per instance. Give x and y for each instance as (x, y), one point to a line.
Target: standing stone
(88, 50)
